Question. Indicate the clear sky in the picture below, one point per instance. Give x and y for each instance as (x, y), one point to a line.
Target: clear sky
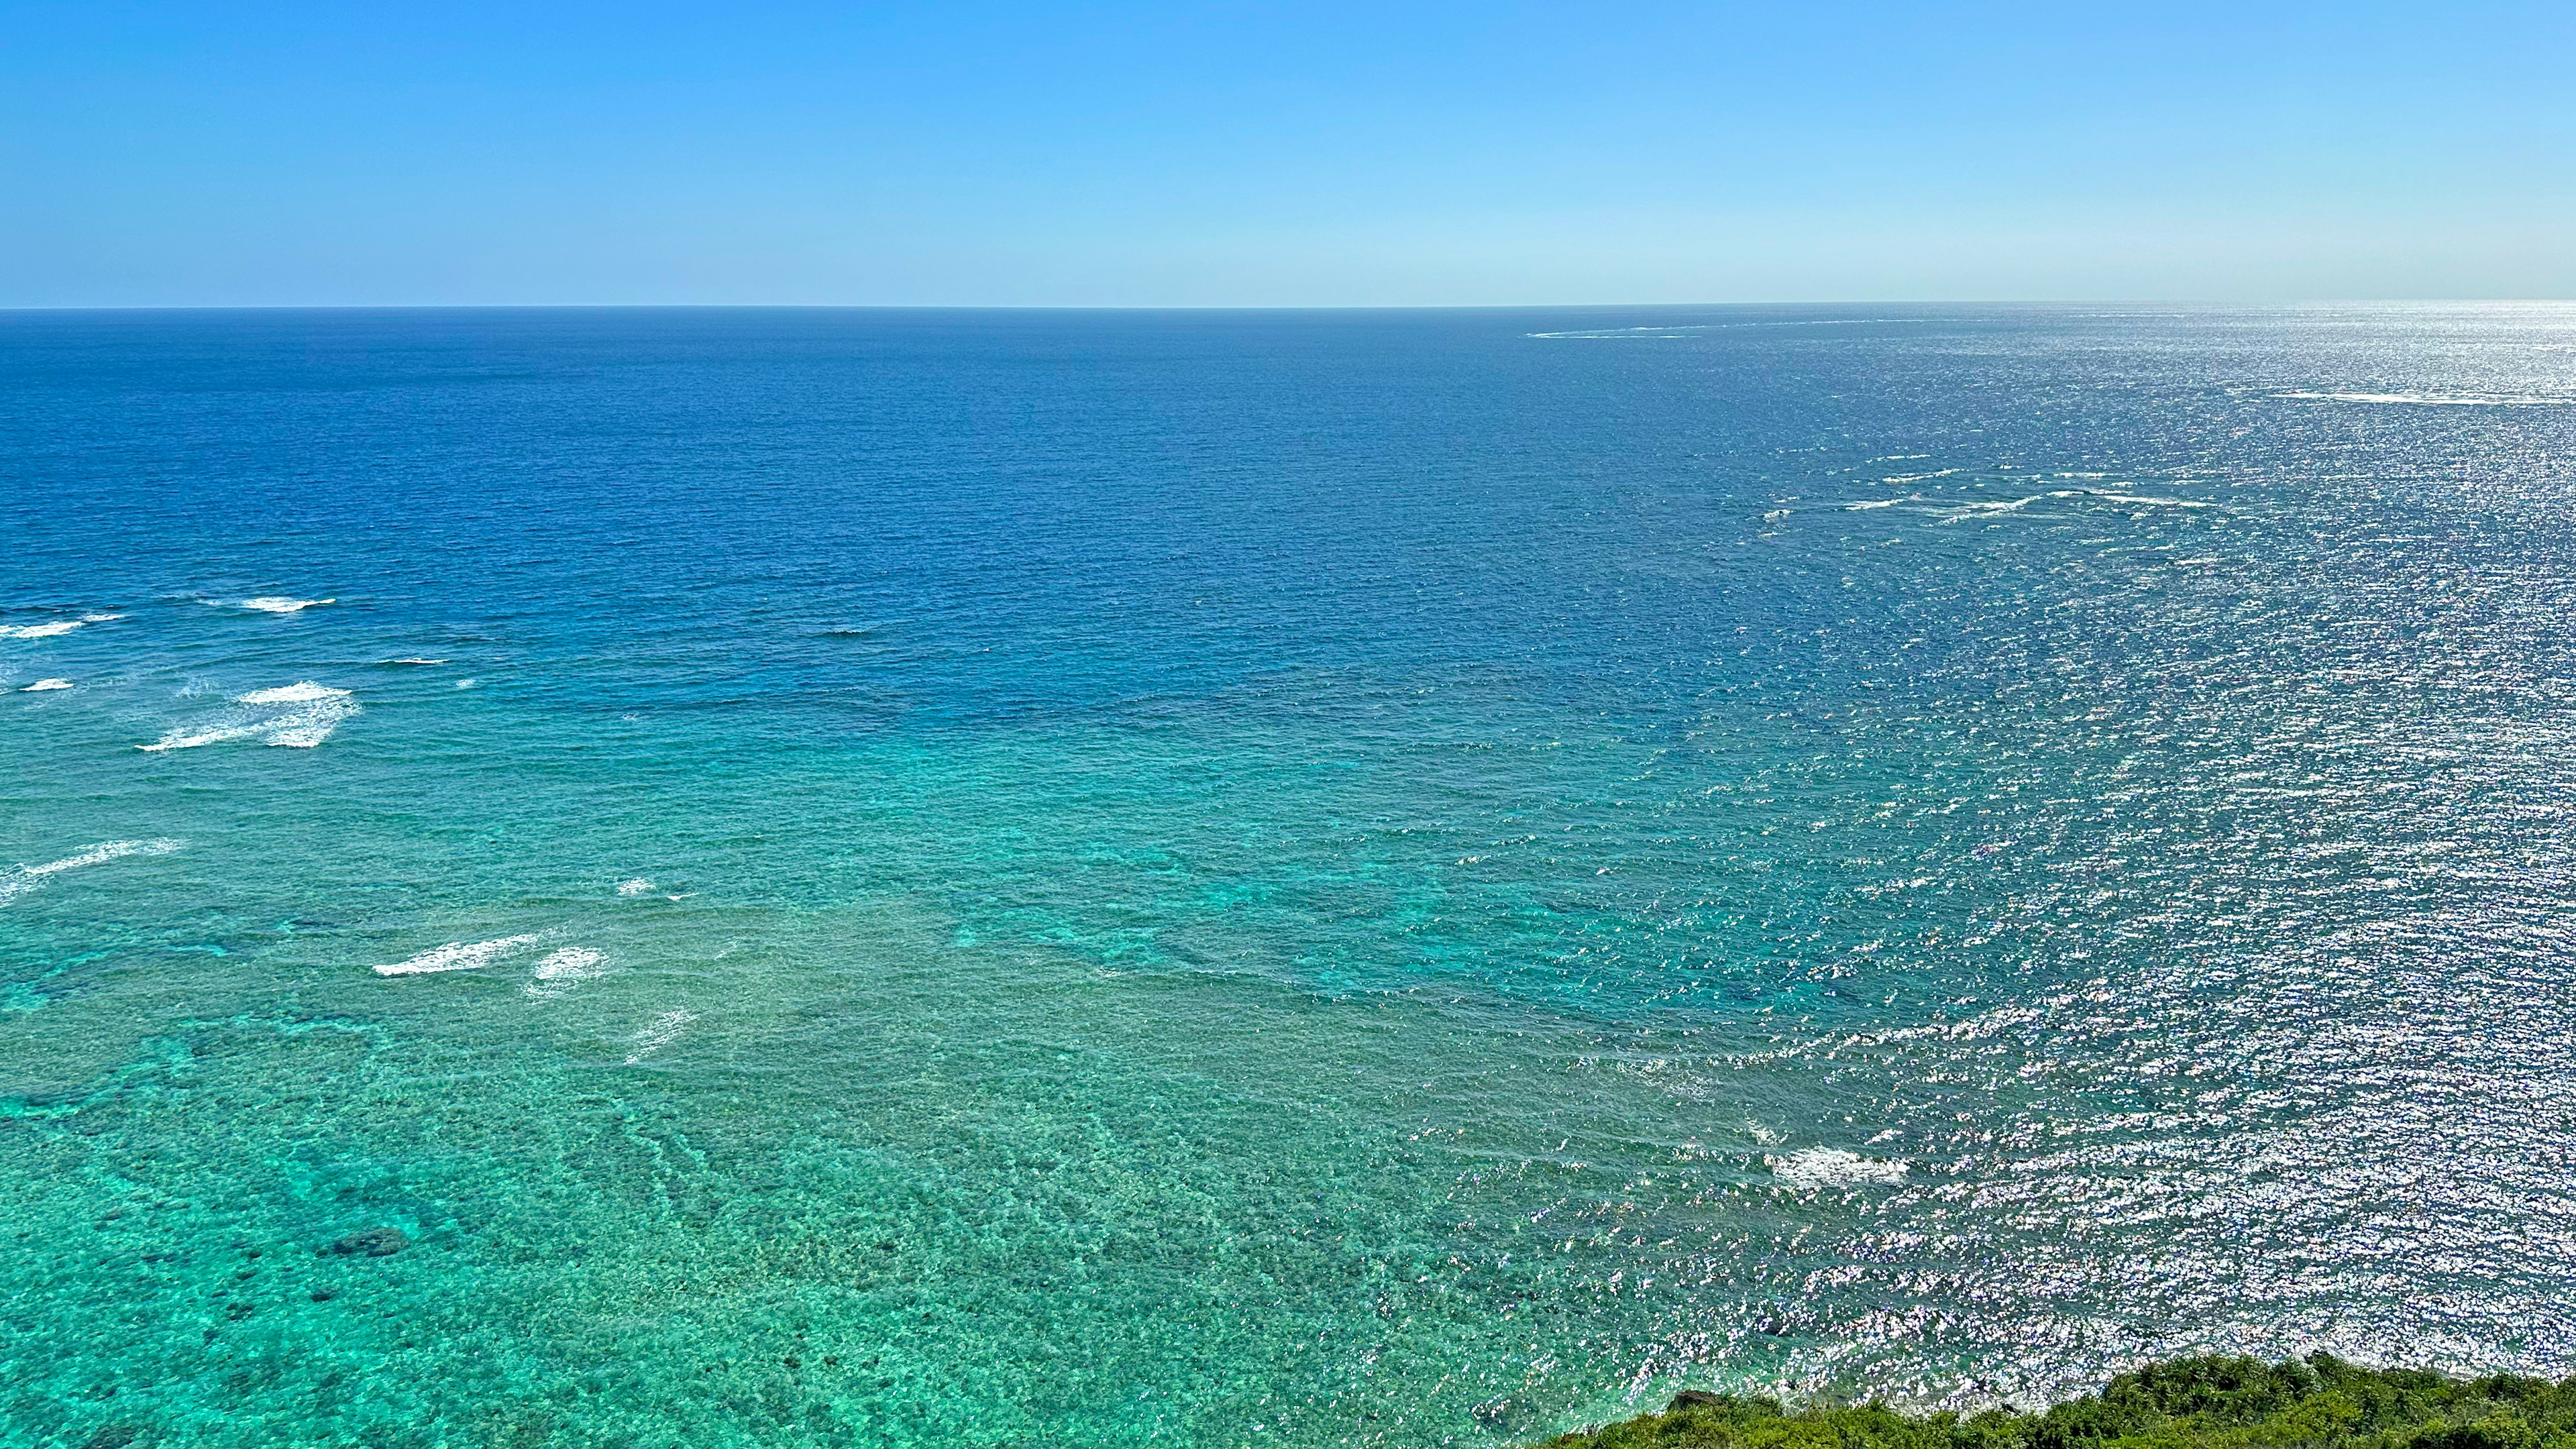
(1261, 154)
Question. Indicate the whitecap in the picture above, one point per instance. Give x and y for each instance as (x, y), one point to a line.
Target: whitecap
(27, 877)
(44, 684)
(636, 887)
(300, 692)
(191, 739)
(562, 970)
(664, 1030)
(2015, 505)
(2144, 498)
(459, 956)
(279, 604)
(298, 716)
(1990, 510)
(465, 684)
(415, 661)
(1637, 333)
(100, 618)
(1814, 1167)
(47, 630)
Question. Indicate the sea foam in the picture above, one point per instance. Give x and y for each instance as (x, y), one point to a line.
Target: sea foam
(47, 630)
(2015, 505)
(562, 970)
(661, 1032)
(25, 878)
(459, 956)
(304, 692)
(1813, 1167)
(299, 716)
(1626, 333)
(45, 684)
(279, 604)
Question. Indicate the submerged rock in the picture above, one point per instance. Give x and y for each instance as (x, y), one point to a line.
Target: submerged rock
(373, 1243)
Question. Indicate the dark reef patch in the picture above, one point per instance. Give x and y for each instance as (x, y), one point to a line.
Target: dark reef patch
(2192, 1403)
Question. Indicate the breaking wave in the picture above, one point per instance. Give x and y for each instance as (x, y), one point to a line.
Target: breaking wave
(25, 878)
(1813, 1167)
(562, 970)
(459, 956)
(299, 716)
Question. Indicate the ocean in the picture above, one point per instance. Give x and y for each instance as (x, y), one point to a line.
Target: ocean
(781, 877)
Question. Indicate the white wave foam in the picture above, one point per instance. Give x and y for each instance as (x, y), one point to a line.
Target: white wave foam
(27, 877)
(2015, 505)
(189, 740)
(303, 734)
(300, 692)
(2144, 498)
(664, 1030)
(1813, 1167)
(279, 604)
(465, 684)
(635, 887)
(299, 716)
(1640, 333)
(415, 661)
(47, 630)
(1991, 510)
(2435, 400)
(459, 956)
(43, 684)
(562, 970)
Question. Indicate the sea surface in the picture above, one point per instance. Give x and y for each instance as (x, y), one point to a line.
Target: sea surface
(1269, 879)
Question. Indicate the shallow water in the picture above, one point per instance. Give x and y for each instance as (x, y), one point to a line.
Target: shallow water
(1255, 879)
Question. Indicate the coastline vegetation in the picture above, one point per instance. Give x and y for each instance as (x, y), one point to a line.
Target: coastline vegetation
(2191, 1403)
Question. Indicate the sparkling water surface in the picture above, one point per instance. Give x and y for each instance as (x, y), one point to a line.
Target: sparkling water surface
(1269, 879)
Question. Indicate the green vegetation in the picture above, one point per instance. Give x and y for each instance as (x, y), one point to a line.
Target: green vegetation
(2193, 1403)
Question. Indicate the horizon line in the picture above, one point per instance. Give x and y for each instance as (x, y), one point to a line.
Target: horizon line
(1273, 307)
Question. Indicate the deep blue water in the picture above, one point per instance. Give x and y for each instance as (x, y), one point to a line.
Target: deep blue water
(1269, 879)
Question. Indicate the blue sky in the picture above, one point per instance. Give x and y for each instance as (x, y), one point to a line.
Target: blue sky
(1161, 154)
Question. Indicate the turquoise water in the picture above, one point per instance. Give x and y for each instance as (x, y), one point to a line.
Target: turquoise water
(1254, 879)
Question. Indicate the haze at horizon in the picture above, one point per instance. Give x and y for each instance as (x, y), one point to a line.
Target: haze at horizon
(1155, 154)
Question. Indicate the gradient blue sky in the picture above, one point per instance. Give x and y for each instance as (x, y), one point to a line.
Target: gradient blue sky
(1282, 154)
